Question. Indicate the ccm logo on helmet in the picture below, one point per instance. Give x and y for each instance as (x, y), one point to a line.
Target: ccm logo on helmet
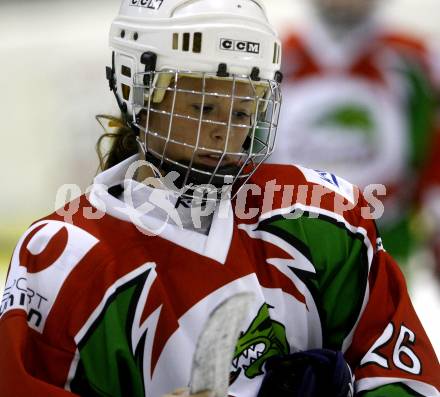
(238, 45)
(151, 4)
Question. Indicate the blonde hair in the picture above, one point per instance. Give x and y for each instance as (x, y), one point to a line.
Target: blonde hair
(121, 142)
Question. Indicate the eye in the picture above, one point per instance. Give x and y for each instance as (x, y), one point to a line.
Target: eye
(266, 324)
(241, 115)
(206, 108)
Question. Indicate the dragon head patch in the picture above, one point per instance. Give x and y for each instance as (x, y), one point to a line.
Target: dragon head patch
(263, 339)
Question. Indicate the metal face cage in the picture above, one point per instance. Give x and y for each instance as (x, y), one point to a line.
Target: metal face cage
(214, 131)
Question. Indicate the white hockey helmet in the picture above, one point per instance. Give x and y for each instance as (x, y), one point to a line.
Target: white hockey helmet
(155, 42)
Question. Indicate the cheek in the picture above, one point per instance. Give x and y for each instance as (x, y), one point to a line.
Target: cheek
(242, 132)
(159, 123)
(238, 137)
(184, 131)
(156, 125)
(179, 133)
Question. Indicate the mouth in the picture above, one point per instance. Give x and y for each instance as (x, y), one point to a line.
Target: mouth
(248, 357)
(212, 160)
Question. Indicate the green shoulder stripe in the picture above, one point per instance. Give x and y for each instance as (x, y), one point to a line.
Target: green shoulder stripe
(393, 390)
(341, 263)
(107, 365)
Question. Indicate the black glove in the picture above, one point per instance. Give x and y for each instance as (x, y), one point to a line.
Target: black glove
(312, 373)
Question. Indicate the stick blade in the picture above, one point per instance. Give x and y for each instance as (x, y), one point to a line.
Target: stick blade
(216, 345)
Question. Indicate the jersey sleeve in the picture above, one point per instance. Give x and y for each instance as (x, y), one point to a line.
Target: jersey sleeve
(359, 291)
(28, 365)
(388, 348)
(36, 352)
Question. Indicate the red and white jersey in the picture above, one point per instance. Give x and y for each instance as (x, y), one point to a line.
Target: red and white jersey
(360, 106)
(95, 305)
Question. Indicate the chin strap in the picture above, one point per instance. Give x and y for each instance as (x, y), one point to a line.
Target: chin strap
(110, 75)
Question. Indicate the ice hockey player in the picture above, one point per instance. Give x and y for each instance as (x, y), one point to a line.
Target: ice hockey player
(360, 101)
(111, 301)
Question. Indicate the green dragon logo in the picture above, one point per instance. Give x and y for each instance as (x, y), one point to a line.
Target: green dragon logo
(263, 339)
(350, 118)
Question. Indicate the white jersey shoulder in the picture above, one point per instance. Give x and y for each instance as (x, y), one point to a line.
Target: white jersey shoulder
(330, 181)
(44, 257)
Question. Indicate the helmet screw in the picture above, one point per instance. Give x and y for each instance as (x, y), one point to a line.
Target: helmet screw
(222, 70)
(255, 74)
(135, 36)
(122, 34)
(278, 77)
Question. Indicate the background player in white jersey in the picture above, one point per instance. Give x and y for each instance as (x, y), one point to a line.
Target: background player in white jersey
(111, 301)
(361, 101)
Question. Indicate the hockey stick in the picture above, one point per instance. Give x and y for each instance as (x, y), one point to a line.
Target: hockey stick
(216, 344)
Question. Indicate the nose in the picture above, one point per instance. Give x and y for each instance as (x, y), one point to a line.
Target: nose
(218, 134)
(217, 131)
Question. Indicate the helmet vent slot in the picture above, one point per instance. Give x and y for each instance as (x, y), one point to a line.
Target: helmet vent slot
(125, 91)
(126, 71)
(175, 41)
(186, 37)
(276, 53)
(189, 41)
(197, 42)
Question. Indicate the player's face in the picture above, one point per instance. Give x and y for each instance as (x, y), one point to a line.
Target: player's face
(345, 12)
(216, 113)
